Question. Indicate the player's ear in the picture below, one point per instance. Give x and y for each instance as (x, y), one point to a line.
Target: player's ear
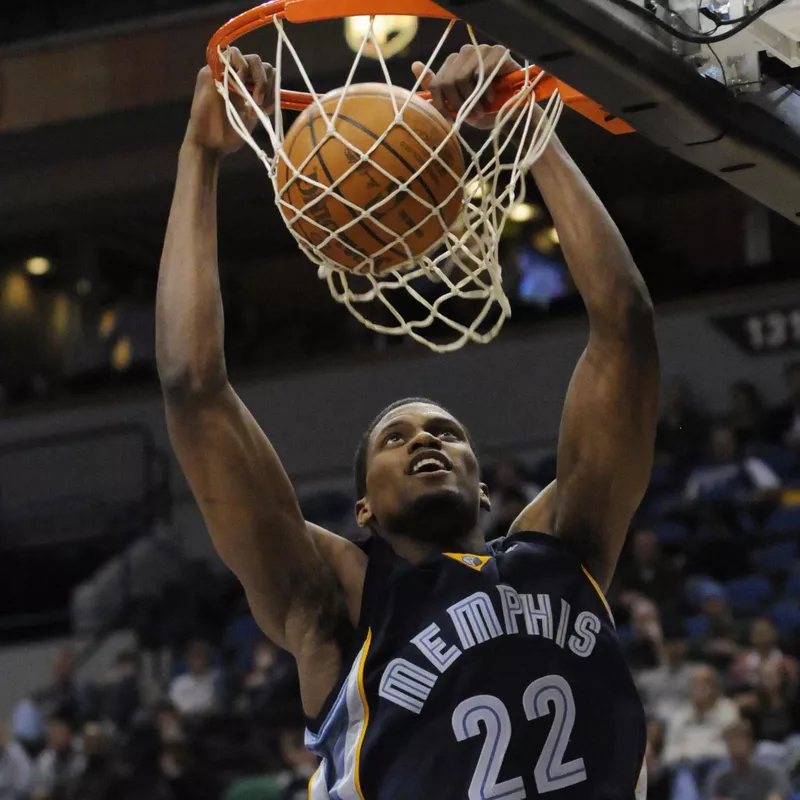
(486, 503)
(364, 513)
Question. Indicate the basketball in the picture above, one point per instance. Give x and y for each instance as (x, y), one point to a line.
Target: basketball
(366, 112)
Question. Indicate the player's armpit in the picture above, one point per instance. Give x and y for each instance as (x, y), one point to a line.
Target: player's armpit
(606, 442)
(255, 522)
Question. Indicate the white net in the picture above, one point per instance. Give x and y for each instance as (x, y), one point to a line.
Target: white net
(453, 293)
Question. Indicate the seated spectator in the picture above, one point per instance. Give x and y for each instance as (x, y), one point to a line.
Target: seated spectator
(766, 681)
(98, 779)
(650, 573)
(722, 641)
(695, 730)
(762, 657)
(196, 691)
(65, 697)
(746, 415)
(15, 768)
(643, 651)
(658, 778)
(27, 727)
(168, 723)
(59, 764)
(185, 778)
(289, 784)
(667, 686)
(785, 419)
(729, 477)
(681, 427)
(122, 695)
(742, 778)
(719, 531)
(510, 493)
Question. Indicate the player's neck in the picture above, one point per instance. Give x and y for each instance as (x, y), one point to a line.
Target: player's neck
(414, 550)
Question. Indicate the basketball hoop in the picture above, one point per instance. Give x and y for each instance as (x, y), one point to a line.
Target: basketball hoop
(453, 293)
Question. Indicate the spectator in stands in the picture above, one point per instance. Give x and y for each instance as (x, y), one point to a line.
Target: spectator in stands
(643, 651)
(742, 778)
(764, 656)
(65, 698)
(650, 573)
(168, 723)
(184, 776)
(196, 691)
(765, 681)
(15, 768)
(658, 778)
(122, 697)
(728, 477)
(666, 686)
(59, 764)
(747, 416)
(99, 776)
(785, 419)
(681, 427)
(510, 492)
(722, 641)
(291, 783)
(719, 531)
(695, 730)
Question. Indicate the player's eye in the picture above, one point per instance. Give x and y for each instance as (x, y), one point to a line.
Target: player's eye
(392, 438)
(448, 433)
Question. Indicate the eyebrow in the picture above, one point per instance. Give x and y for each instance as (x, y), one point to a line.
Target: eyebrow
(431, 422)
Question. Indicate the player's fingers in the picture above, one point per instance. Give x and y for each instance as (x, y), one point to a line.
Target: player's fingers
(257, 77)
(436, 87)
(236, 60)
(420, 70)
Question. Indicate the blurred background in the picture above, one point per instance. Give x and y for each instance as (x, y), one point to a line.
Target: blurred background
(130, 665)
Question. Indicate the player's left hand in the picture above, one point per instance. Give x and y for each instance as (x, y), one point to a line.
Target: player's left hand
(457, 79)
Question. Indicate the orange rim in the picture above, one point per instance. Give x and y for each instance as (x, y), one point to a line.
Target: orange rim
(299, 11)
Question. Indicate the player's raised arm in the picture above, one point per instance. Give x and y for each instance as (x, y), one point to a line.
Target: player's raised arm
(605, 449)
(243, 491)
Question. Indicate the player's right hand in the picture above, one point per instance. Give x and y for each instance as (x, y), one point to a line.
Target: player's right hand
(208, 123)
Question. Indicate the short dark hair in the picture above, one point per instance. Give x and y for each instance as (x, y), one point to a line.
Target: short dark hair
(360, 465)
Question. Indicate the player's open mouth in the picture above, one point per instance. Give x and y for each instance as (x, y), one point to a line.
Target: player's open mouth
(429, 462)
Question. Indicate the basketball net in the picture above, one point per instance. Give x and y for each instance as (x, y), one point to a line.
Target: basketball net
(454, 293)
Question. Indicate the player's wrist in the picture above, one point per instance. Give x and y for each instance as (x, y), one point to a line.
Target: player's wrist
(193, 148)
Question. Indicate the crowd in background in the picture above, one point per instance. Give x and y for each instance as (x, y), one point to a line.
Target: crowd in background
(706, 602)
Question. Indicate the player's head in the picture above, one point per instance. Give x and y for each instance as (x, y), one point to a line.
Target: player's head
(417, 474)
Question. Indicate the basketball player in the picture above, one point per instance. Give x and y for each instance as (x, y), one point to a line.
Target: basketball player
(432, 665)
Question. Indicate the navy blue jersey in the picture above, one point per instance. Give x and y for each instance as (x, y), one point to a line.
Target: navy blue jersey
(493, 676)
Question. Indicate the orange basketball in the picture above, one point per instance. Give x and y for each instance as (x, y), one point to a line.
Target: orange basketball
(367, 111)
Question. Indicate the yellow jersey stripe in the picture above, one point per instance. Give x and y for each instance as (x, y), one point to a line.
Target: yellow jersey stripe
(599, 592)
(362, 693)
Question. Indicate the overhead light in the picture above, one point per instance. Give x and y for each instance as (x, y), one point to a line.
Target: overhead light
(523, 212)
(390, 34)
(37, 265)
(476, 189)
(83, 287)
(552, 235)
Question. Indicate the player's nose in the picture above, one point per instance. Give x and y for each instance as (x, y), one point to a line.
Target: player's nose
(424, 439)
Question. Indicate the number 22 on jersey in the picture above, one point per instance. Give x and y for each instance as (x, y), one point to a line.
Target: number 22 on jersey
(545, 695)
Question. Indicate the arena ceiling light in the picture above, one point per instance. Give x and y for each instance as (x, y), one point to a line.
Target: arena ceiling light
(392, 33)
(38, 265)
(523, 212)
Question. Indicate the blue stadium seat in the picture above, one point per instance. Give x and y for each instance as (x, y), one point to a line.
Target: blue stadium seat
(776, 557)
(786, 616)
(748, 594)
(783, 521)
(671, 532)
(695, 626)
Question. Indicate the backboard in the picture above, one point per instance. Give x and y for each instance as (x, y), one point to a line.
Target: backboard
(732, 111)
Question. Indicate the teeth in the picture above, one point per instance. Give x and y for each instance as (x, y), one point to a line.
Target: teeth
(425, 462)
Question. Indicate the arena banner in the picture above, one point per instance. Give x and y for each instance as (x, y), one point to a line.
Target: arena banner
(766, 331)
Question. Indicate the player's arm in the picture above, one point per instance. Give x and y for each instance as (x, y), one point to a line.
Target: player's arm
(606, 442)
(607, 436)
(244, 493)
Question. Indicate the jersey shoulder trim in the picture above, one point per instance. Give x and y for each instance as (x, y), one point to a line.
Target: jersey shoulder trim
(600, 594)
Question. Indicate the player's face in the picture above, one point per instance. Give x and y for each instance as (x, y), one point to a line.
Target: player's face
(422, 476)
